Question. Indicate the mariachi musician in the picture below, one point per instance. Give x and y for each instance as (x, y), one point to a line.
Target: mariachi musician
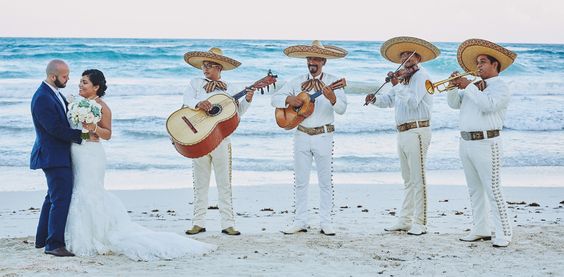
(212, 63)
(313, 139)
(482, 111)
(413, 107)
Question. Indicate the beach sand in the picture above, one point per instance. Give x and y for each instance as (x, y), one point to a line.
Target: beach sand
(360, 248)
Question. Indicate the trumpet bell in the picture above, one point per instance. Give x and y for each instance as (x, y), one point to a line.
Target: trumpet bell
(445, 85)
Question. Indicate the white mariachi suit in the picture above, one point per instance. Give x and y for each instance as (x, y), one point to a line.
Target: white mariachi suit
(412, 103)
(220, 158)
(483, 111)
(313, 147)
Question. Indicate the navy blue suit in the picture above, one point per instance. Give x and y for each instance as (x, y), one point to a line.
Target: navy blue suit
(51, 152)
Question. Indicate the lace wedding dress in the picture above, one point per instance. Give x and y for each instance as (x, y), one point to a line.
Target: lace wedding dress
(98, 222)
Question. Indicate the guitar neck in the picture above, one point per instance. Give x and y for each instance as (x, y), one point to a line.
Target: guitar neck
(240, 94)
(333, 86)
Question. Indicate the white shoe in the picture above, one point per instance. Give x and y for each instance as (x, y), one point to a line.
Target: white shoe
(293, 229)
(471, 238)
(417, 230)
(398, 227)
(500, 242)
(327, 230)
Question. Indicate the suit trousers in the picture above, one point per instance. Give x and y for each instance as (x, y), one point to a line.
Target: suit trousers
(481, 161)
(412, 149)
(55, 209)
(220, 159)
(318, 148)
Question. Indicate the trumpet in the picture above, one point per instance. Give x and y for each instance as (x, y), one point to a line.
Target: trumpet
(445, 85)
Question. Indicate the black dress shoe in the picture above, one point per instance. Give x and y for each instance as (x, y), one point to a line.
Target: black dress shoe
(59, 252)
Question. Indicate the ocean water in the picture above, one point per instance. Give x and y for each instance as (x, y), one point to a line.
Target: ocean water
(147, 77)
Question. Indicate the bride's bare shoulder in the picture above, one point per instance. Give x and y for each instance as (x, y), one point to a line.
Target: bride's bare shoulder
(105, 107)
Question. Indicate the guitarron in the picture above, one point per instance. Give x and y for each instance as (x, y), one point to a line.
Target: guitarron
(196, 133)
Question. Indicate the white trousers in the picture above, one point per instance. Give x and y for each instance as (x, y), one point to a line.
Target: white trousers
(306, 149)
(481, 161)
(412, 149)
(220, 159)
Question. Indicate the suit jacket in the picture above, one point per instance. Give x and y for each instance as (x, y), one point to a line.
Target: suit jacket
(53, 132)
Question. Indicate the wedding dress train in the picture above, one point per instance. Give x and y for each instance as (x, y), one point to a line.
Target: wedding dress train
(98, 222)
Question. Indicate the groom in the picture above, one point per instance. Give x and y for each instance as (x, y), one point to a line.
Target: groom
(51, 152)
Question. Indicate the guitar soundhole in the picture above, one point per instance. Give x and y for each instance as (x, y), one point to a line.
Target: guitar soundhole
(215, 110)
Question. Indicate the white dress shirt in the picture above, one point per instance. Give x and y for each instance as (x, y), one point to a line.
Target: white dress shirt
(411, 101)
(481, 110)
(58, 94)
(195, 93)
(323, 112)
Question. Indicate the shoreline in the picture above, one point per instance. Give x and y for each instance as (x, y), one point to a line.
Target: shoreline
(24, 179)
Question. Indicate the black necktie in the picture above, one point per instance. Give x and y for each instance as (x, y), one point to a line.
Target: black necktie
(64, 101)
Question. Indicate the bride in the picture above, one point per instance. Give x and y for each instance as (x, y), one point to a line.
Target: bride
(98, 222)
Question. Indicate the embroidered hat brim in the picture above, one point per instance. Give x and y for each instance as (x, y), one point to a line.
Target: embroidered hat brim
(392, 49)
(197, 58)
(316, 50)
(470, 49)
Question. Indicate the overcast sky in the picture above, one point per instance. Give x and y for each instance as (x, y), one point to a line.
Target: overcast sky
(528, 21)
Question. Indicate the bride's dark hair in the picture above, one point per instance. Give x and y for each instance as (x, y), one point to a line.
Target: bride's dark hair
(97, 78)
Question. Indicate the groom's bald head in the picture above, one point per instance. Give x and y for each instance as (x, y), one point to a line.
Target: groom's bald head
(57, 73)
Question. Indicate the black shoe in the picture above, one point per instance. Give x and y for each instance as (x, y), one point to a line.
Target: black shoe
(39, 246)
(60, 252)
(327, 233)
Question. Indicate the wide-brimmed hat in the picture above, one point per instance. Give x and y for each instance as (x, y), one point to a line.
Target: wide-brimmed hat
(392, 49)
(197, 58)
(470, 49)
(316, 49)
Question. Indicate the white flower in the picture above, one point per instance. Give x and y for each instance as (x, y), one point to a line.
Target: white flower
(89, 118)
(78, 115)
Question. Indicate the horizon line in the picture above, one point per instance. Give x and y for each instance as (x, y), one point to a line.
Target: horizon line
(259, 39)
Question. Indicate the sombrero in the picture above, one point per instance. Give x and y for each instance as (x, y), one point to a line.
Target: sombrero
(316, 49)
(470, 49)
(196, 58)
(392, 49)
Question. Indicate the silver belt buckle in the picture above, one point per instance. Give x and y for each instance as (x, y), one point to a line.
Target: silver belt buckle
(466, 135)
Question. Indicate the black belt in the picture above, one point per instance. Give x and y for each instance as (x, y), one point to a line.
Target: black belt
(317, 130)
(479, 135)
(413, 125)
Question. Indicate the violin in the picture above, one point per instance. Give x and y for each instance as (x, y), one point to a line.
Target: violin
(403, 73)
(400, 73)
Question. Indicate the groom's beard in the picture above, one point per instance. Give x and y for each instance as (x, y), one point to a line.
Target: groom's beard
(312, 68)
(59, 84)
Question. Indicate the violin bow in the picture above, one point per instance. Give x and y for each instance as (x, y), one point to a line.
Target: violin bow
(388, 79)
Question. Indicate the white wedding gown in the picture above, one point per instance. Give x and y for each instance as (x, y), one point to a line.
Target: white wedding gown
(98, 222)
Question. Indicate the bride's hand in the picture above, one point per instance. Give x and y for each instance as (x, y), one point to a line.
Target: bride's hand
(89, 126)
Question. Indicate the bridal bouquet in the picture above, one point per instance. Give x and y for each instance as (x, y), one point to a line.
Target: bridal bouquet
(84, 110)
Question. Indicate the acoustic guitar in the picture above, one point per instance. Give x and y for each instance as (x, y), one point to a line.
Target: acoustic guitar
(196, 132)
(290, 117)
